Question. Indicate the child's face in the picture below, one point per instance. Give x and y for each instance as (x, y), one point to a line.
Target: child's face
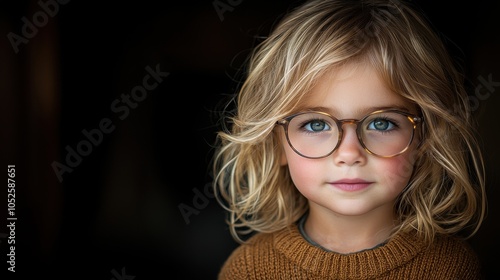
(351, 181)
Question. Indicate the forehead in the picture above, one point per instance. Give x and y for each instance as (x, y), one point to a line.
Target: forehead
(352, 90)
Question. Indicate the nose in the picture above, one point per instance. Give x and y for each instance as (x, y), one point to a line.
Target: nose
(349, 152)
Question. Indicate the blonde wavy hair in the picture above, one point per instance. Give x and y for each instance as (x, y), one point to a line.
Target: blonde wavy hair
(446, 192)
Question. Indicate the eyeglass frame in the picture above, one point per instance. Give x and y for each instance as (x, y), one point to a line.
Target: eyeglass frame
(414, 119)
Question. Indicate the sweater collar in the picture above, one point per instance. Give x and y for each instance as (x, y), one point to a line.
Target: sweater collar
(367, 263)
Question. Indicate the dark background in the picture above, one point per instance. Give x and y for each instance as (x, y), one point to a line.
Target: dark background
(119, 212)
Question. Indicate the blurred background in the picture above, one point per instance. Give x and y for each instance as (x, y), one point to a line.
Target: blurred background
(109, 111)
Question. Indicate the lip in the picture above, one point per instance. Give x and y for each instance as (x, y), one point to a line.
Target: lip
(351, 185)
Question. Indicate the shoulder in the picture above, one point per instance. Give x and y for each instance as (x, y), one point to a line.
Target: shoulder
(453, 255)
(450, 246)
(245, 262)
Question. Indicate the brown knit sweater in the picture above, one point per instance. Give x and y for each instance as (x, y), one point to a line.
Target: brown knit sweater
(287, 255)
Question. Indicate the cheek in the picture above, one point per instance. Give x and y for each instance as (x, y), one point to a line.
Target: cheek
(397, 171)
(303, 171)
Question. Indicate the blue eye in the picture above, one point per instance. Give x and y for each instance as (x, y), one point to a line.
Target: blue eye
(316, 126)
(381, 125)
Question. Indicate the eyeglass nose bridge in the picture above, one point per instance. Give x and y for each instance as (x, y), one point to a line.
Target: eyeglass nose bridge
(341, 123)
(348, 121)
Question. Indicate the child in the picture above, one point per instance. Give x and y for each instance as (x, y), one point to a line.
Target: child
(351, 152)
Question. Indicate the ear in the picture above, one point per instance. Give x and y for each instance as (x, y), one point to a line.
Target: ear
(420, 135)
(283, 160)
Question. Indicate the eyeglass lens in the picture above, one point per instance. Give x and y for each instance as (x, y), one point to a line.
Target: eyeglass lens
(385, 134)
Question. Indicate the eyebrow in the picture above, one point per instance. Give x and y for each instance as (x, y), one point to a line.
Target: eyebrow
(361, 111)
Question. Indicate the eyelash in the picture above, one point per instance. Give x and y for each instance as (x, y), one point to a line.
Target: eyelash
(308, 122)
(387, 119)
(393, 122)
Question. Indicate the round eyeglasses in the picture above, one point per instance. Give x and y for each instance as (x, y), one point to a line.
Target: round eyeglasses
(383, 133)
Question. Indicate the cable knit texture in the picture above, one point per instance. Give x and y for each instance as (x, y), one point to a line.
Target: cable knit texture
(287, 255)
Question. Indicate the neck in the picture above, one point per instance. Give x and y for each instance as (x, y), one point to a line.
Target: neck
(348, 234)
